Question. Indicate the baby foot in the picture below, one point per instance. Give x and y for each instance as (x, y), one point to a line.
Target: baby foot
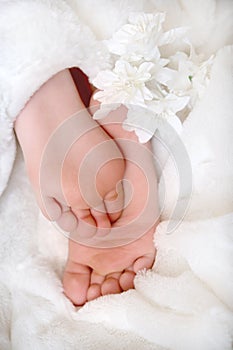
(64, 146)
(92, 271)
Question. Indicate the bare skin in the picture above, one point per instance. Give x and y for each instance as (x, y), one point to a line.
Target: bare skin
(55, 183)
(90, 272)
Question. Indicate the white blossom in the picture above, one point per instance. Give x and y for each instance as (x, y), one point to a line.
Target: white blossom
(125, 84)
(190, 75)
(153, 85)
(145, 121)
(141, 37)
(201, 77)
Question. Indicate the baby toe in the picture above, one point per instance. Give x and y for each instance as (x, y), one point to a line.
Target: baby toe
(110, 286)
(94, 291)
(67, 221)
(126, 280)
(144, 262)
(86, 225)
(114, 202)
(50, 208)
(76, 283)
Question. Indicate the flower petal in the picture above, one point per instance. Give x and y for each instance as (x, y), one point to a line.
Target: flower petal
(175, 122)
(176, 103)
(104, 79)
(172, 35)
(141, 120)
(165, 74)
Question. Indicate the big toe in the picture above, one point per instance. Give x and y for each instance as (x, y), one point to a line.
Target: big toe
(76, 281)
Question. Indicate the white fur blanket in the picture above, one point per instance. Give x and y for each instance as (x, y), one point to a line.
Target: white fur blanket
(185, 302)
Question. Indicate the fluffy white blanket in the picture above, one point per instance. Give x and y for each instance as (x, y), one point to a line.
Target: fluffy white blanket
(184, 302)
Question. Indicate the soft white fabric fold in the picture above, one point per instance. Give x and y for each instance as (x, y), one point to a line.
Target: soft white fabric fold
(185, 301)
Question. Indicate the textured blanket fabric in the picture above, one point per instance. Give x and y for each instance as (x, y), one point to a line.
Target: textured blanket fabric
(186, 300)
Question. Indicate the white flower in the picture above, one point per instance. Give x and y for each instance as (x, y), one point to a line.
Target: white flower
(153, 85)
(160, 115)
(142, 121)
(201, 77)
(190, 75)
(125, 84)
(141, 37)
(159, 72)
(169, 105)
(182, 73)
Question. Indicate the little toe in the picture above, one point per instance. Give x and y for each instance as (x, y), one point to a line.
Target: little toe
(67, 221)
(114, 203)
(86, 224)
(76, 281)
(94, 291)
(126, 280)
(50, 208)
(110, 286)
